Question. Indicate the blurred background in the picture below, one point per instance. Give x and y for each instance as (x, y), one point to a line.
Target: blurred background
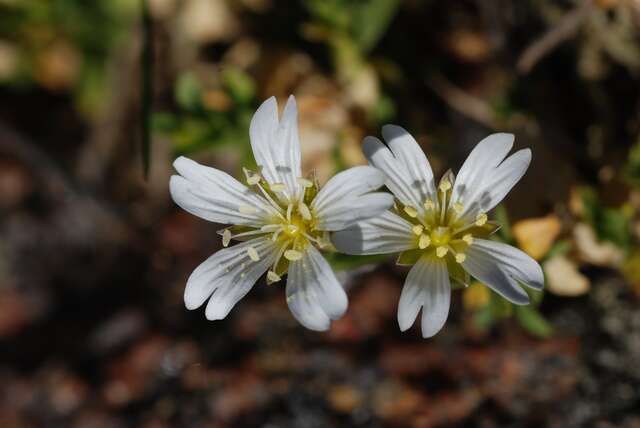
(98, 97)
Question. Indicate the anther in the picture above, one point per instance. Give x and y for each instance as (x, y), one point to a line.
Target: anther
(292, 255)
(278, 187)
(304, 211)
(429, 205)
(458, 207)
(411, 212)
(460, 257)
(226, 238)
(481, 219)
(247, 209)
(424, 242)
(444, 185)
(273, 277)
(305, 182)
(253, 254)
(468, 238)
(441, 251)
(417, 229)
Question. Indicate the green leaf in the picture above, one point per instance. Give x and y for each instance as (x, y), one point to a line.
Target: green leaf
(240, 85)
(371, 20)
(188, 91)
(532, 321)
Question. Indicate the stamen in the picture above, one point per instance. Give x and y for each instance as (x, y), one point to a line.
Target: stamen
(292, 255)
(458, 208)
(278, 187)
(226, 238)
(411, 212)
(442, 251)
(305, 182)
(460, 257)
(273, 277)
(253, 179)
(304, 211)
(424, 242)
(268, 228)
(481, 219)
(247, 209)
(429, 205)
(445, 185)
(417, 229)
(253, 254)
(468, 238)
(289, 209)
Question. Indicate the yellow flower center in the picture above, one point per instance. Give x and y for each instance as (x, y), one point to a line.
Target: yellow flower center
(442, 228)
(292, 226)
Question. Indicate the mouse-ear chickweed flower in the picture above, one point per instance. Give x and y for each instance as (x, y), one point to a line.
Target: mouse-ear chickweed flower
(280, 219)
(442, 229)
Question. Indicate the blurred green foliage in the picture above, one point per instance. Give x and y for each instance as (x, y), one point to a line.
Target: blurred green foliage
(197, 126)
(610, 224)
(65, 44)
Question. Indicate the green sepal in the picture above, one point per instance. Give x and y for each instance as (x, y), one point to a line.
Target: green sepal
(409, 257)
(484, 231)
(460, 277)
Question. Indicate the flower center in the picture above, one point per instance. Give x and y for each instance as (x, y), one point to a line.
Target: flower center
(292, 224)
(441, 227)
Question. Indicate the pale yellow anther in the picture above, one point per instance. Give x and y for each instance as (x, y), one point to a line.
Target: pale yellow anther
(253, 254)
(481, 219)
(292, 255)
(468, 238)
(460, 257)
(305, 182)
(424, 242)
(444, 185)
(273, 277)
(417, 229)
(253, 179)
(429, 205)
(458, 207)
(226, 238)
(304, 211)
(411, 212)
(247, 209)
(442, 251)
(278, 187)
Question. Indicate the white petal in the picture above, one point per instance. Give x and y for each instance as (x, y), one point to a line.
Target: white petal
(351, 210)
(227, 276)
(275, 145)
(314, 295)
(397, 177)
(484, 179)
(345, 200)
(384, 234)
(215, 196)
(407, 150)
(496, 186)
(347, 184)
(502, 267)
(427, 286)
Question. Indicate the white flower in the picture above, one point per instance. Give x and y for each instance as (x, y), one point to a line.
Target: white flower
(280, 218)
(441, 230)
